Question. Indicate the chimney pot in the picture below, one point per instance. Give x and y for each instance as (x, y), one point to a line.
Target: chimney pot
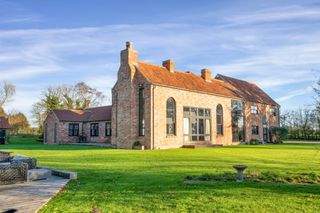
(206, 74)
(128, 44)
(129, 55)
(169, 64)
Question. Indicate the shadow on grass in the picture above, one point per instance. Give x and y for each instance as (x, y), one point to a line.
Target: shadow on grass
(297, 146)
(50, 147)
(149, 183)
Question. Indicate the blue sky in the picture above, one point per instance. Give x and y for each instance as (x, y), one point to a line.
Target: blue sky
(273, 43)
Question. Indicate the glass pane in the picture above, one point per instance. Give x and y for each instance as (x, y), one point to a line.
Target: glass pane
(186, 126)
(170, 104)
(186, 111)
(219, 120)
(194, 126)
(207, 112)
(201, 126)
(200, 111)
(219, 110)
(193, 112)
(208, 130)
(219, 129)
(194, 138)
(201, 138)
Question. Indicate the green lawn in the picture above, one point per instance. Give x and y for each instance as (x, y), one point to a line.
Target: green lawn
(152, 181)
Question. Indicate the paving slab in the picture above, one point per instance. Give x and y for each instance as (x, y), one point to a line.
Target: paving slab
(29, 197)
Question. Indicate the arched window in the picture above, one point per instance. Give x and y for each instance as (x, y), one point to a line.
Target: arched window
(219, 120)
(171, 116)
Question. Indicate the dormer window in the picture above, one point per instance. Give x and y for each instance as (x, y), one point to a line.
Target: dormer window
(254, 109)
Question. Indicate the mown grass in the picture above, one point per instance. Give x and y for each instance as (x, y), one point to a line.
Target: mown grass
(153, 181)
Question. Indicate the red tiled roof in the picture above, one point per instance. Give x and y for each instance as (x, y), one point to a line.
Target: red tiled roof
(190, 81)
(87, 115)
(248, 91)
(221, 85)
(4, 124)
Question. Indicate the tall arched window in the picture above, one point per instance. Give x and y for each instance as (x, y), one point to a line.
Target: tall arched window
(171, 116)
(219, 120)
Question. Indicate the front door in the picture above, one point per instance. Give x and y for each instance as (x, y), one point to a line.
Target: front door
(265, 134)
(2, 136)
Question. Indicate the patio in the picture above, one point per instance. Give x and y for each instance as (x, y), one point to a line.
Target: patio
(29, 197)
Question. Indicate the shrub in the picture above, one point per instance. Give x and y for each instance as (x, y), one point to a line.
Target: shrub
(136, 145)
(8, 138)
(253, 142)
(259, 177)
(278, 134)
(40, 138)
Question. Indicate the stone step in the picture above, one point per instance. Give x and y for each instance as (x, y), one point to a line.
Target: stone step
(61, 173)
(38, 174)
(64, 174)
(193, 146)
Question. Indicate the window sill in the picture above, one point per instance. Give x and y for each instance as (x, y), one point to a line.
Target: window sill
(171, 136)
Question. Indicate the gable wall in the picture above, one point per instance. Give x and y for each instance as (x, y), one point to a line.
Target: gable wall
(125, 110)
(191, 99)
(48, 128)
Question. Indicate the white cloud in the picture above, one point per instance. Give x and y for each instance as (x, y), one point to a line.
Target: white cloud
(277, 14)
(271, 55)
(26, 72)
(295, 93)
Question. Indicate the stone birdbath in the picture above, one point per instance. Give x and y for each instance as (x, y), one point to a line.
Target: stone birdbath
(240, 169)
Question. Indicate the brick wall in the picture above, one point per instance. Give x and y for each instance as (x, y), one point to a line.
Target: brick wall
(190, 99)
(49, 126)
(102, 138)
(125, 97)
(62, 131)
(256, 119)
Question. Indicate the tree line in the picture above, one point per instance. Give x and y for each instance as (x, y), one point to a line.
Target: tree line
(18, 121)
(303, 123)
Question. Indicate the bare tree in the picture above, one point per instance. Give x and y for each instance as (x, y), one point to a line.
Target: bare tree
(39, 114)
(306, 119)
(7, 91)
(78, 96)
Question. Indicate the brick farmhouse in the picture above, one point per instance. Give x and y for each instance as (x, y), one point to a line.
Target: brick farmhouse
(160, 107)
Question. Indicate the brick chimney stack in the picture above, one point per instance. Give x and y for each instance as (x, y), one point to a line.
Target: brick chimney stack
(169, 65)
(129, 55)
(206, 74)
